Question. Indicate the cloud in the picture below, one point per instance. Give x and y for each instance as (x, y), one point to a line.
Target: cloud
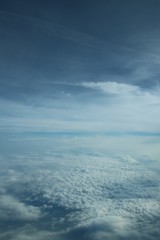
(111, 107)
(12, 208)
(111, 227)
(113, 87)
(84, 191)
(94, 184)
(28, 233)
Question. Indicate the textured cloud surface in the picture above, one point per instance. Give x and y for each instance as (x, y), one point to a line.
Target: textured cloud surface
(79, 120)
(73, 193)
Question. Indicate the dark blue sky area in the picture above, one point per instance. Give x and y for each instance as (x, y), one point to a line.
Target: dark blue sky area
(76, 41)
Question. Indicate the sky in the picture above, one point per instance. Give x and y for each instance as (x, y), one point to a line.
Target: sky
(77, 66)
(79, 122)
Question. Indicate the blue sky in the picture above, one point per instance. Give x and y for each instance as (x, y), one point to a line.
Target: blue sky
(95, 41)
(87, 66)
(79, 122)
(82, 68)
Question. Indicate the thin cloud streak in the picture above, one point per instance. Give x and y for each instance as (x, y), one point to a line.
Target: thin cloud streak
(81, 38)
(116, 107)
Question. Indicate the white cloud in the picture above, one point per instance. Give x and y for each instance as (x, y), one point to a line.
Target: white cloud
(11, 208)
(121, 108)
(113, 87)
(90, 189)
(110, 227)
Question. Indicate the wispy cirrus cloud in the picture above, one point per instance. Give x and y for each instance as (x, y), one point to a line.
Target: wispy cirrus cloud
(113, 87)
(105, 106)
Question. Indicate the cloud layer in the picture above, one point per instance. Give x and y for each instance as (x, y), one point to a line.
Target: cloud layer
(71, 194)
(104, 107)
(79, 124)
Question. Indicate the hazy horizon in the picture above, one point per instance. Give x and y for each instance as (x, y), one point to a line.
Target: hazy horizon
(79, 123)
